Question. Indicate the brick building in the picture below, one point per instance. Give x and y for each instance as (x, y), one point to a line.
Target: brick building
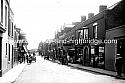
(108, 24)
(115, 31)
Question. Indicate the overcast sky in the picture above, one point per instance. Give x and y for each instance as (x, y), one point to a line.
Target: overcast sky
(39, 19)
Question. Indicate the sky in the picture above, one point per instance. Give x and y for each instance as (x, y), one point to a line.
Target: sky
(40, 19)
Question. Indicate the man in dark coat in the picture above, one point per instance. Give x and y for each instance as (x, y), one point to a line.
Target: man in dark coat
(118, 64)
(27, 57)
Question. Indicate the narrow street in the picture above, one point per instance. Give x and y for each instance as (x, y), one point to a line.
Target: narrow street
(43, 71)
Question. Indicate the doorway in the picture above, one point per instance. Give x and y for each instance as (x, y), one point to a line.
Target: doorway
(86, 59)
(121, 51)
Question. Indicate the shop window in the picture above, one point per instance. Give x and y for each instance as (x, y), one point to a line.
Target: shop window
(101, 57)
(97, 56)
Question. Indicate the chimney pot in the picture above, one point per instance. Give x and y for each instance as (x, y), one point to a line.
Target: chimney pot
(102, 7)
(90, 15)
(83, 18)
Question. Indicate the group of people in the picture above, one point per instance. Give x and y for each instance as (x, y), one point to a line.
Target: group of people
(29, 58)
(26, 58)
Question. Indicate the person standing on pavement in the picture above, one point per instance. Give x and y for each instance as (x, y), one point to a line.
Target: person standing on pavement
(27, 58)
(118, 65)
(96, 61)
(30, 59)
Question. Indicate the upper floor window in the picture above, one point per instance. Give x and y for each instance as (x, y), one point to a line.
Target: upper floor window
(6, 48)
(6, 16)
(9, 27)
(1, 10)
(12, 28)
(73, 37)
(79, 34)
(95, 27)
(85, 33)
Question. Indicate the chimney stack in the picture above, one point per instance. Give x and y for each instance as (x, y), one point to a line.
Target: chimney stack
(90, 15)
(83, 18)
(102, 7)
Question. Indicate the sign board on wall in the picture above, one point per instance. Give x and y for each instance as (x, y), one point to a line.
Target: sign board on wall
(101, 49)
(92, 51)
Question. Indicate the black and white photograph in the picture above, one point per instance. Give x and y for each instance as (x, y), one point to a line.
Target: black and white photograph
(62, 41)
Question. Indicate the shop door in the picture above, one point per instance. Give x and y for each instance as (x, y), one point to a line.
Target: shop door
(121, 51)
(86, 56)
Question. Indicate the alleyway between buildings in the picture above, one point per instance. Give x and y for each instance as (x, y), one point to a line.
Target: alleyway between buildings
(44, 71)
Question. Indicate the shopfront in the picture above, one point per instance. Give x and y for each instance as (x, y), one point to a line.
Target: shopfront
(112, 49)
(97, 56)
(83, 54)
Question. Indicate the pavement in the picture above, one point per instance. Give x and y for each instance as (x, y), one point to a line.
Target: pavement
(96, 70)
(12, 74)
